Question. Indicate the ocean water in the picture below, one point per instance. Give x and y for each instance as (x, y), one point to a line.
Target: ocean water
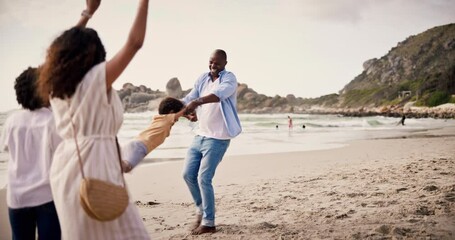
(260, 134)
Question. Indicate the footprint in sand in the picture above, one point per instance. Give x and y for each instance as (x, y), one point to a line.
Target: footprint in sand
(424, 211)
(401, 189)
(147, 204)
(430, 188)
(450, 196)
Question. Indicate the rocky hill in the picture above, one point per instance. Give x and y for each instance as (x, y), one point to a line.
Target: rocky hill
(416, 74)
(420, 69)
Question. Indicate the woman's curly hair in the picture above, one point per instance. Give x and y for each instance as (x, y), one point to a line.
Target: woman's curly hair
(25, 86)
(170, 105)
(69, 58)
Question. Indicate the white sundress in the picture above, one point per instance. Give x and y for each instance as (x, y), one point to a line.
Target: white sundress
(98, 118)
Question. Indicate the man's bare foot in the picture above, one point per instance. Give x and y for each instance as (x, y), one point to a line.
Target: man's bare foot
(203, 229)
(197, 222)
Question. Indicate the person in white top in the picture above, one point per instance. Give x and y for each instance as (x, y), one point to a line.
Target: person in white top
(30, 138)
(78, 80)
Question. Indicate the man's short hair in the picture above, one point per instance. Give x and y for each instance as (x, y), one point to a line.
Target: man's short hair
(170, 105)
(221, 53)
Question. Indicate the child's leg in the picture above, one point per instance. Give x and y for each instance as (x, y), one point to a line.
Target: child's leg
(134, 152)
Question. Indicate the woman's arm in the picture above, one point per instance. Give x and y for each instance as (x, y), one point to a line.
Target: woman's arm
(118, 63)
(92, 6)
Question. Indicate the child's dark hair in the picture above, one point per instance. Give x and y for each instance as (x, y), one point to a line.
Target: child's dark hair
(170, 105)
(25, 86)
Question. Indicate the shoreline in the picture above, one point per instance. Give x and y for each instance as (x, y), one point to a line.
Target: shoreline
(369, 189)
(436, 112)
(427, 133)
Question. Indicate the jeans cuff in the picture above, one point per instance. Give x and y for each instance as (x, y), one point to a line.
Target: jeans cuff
(208, 223)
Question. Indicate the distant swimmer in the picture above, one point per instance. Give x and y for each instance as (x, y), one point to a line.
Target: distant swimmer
(303, 126)
(276, 126)
(290, 123)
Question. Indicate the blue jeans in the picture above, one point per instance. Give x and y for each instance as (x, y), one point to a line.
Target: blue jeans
(201, 161)
(25, 220)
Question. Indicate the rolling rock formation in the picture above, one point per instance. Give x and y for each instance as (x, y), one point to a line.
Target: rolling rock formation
(139, 99)
(413, 78)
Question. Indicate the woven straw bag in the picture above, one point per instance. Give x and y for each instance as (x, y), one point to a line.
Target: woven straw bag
(102, 200)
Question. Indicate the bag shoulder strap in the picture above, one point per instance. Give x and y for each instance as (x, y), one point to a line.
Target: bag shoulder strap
(81, 164)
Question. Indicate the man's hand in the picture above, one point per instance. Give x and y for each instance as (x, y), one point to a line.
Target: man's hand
(191, 116)
(193, 105)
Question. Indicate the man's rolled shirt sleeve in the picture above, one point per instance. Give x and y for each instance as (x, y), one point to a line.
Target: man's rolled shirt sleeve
(227, 87)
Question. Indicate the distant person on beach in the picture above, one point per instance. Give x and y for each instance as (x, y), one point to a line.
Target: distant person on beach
(30, 138)
(78, 79)
(214, 98)
(169, 110)
(402, 120)
(290, 123)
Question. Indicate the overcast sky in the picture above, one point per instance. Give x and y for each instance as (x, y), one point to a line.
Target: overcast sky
(303, 47)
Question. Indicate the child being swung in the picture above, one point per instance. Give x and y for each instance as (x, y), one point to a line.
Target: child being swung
(169, 110)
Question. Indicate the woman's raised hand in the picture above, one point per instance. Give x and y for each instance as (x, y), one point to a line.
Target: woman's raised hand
(92, 5)
(90, 9)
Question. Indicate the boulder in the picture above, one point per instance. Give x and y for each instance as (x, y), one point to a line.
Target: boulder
(290, 98)
(124, 93)
(242, 89)
(268, 102)
(137, 97)
(144, 89)
(173, 88)
(249, 96)
(127, 85)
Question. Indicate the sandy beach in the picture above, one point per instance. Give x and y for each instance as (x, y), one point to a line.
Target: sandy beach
(396, 188)
(392, 188)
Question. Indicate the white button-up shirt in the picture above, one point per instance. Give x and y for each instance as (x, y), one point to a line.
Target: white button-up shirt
(30, 139)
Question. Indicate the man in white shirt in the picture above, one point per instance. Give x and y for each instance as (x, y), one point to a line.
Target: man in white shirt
(214, 97)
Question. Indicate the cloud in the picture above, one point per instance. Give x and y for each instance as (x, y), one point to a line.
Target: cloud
(351, 11)
(355, 11)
